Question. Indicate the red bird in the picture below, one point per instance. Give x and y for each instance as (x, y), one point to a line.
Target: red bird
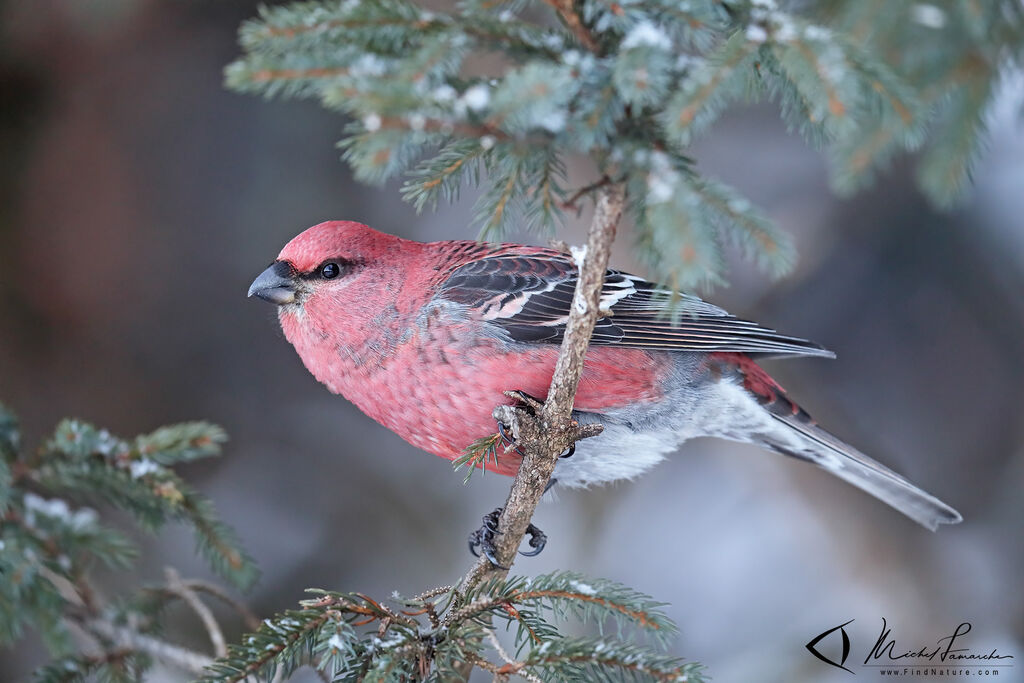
(424, 338)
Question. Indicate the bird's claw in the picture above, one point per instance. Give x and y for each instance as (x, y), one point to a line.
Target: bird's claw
(538, 539)
(483, 539)
(510, 441)
(530, 405)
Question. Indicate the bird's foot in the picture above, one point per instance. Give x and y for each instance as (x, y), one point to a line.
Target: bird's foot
(529, 403)
(532, 406)
(483, 539)
(510, 441)
(538, 539)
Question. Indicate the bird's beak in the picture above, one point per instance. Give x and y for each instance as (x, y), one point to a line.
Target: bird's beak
(275, 284)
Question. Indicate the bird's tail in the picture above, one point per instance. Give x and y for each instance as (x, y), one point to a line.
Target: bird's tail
(805, 440)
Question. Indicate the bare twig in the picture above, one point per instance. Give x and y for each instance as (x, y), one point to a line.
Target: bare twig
(546, 435)
(542, 438)
(82, 614)
(514, 665)
(250, 620)
(126, 638)
(570, 203)
(433, 592)
(181, 589)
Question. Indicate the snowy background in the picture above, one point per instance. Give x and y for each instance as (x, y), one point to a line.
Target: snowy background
(140, 199)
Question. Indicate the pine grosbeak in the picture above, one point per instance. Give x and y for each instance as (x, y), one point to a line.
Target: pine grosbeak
(424, 338)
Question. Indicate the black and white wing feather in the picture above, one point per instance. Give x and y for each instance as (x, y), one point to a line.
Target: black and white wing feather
(529, 297)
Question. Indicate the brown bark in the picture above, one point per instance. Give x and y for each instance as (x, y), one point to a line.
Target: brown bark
(572, 20)
(545, 435)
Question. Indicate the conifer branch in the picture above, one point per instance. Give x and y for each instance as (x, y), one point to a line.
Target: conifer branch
(572, 19)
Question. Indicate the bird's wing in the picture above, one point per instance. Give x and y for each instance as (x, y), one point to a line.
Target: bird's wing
(529, 297)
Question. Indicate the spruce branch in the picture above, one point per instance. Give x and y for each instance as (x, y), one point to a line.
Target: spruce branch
(51, 545)
(478, 454)
(593, 659)
(350, 636)
(563, 595)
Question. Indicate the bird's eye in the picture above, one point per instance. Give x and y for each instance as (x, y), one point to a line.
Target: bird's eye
(330, 271)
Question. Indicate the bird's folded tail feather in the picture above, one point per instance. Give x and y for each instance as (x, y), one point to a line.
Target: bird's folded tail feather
(807, 441)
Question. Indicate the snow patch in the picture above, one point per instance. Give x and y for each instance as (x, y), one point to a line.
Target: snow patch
(929, 16)
(336, 643)
(579, 254)
(141, 468)
(371, 122)
(476, 97)
(783, 29)
(819, 33)
(553, 121)
(662, 179)
(584, 588)
(553, 41)
(756, 33)
(57, 509)
(417, 122)
(368, 65)
(445, 93)
(646, 34)
(685, 61)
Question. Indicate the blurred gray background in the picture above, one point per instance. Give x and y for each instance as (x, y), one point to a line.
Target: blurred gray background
(140, 199)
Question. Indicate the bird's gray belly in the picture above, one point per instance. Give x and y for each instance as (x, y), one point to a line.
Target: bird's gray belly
(639, 436)
(636, 437)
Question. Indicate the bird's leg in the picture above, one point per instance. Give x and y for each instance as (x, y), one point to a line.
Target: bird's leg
(483, 538)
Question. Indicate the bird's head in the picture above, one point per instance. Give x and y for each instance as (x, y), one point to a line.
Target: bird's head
(336, 287)
(322, 262)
